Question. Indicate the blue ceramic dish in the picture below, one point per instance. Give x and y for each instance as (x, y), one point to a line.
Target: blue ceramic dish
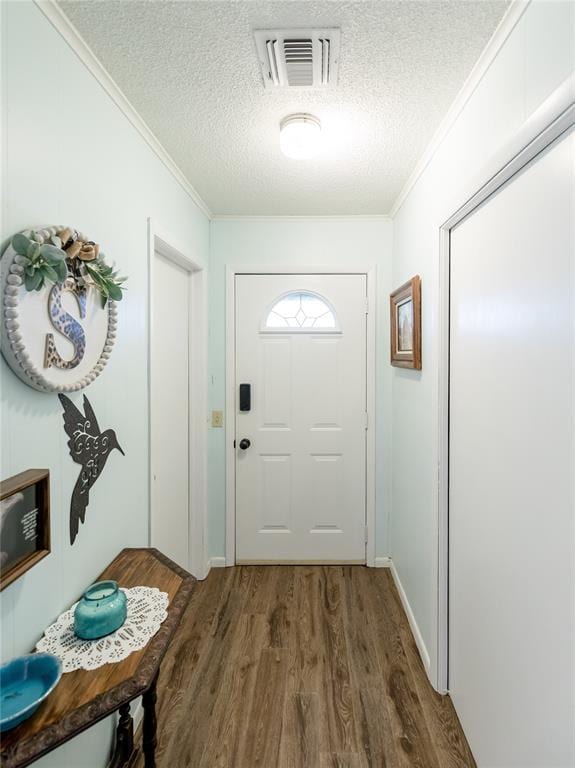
(24, 684)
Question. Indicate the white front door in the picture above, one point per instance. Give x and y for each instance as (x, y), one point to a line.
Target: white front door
(300, 418)
(512, 467)
(170, 421)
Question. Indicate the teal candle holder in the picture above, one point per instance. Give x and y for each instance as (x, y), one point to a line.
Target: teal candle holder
(101, 611)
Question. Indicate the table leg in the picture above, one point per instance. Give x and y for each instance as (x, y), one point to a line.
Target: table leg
(124, 738)
(149, 726)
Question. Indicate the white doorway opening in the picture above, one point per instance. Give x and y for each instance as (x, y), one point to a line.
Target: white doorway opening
(177, 402)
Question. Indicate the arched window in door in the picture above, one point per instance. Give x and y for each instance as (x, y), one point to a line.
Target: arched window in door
(301, 311)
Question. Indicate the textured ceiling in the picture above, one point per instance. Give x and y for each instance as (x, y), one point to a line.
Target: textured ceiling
(190, 69)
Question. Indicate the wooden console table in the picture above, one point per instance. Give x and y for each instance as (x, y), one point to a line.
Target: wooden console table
(82, 698)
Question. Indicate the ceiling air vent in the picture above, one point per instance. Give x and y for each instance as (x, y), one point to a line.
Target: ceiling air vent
(298, 58)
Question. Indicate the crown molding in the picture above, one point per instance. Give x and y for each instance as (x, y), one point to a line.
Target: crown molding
(318, 217)
(488, 55)
(80, 47)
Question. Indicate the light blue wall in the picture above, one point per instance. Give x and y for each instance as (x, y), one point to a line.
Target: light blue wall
(71, 157)
(310, 242)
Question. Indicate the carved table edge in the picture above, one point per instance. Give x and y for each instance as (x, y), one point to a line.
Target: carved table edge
(165, 560)
(25, 753)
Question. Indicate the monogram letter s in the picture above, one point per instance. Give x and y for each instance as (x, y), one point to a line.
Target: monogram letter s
(68, 327)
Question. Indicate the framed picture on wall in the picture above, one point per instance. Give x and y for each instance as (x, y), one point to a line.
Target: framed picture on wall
(24, 523)
(405, 315)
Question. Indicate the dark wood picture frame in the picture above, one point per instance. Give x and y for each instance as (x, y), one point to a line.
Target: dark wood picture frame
(406, 352)
(39, 481)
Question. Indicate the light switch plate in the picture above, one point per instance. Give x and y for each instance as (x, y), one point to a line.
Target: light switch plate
(217, 418)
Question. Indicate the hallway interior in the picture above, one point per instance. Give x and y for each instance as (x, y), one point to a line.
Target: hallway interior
(311, 264)
(300, 666)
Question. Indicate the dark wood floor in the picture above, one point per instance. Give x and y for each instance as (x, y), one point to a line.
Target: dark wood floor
(301, 667)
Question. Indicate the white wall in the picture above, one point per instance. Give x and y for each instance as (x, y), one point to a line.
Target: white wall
(535, 59)
(70, 156)
(314, 241)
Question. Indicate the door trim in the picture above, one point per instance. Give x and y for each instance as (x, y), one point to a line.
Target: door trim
(159, 241)
(551, 120)
(370, 271)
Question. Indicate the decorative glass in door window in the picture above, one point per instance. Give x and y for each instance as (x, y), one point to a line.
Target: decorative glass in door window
(301, 311)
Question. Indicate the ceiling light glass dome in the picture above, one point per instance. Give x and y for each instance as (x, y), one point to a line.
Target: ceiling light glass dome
(300, 136)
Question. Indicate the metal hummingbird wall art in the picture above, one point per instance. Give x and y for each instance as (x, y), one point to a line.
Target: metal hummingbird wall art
(89, 447)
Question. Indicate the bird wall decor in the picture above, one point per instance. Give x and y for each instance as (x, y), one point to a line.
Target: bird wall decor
(89, 447)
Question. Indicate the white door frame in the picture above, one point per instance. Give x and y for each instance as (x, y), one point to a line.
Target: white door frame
(555, 116)
(370, 271)
(159, 241)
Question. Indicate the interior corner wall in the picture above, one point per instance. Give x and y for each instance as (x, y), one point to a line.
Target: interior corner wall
(321, 241)
(70, 156)
(535, 59)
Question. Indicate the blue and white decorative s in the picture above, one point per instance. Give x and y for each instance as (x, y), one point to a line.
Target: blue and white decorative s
(59, 314)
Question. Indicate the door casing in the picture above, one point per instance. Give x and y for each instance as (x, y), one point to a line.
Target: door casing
(163, 243)
(551, 120)
(370, 271)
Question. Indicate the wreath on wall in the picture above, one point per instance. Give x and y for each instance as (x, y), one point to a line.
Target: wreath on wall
(41, 269)
(57, 255)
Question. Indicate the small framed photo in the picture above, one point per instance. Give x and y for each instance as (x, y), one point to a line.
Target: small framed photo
(24, 523)
(405, 312)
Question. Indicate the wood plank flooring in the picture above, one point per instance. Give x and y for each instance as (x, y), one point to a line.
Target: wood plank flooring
(300, 667)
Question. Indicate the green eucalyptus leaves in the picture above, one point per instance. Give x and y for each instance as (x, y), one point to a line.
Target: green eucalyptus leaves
(42, 263)
(104, 278)
(67, 256)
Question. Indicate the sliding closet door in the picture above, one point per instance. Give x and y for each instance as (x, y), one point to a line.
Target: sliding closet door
(512, 469)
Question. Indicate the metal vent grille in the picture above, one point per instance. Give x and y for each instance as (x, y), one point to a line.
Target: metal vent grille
(298, 58)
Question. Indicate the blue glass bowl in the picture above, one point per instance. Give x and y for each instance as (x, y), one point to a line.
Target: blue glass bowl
(24, 684)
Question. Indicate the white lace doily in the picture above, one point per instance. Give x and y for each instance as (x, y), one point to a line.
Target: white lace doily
(147, 609)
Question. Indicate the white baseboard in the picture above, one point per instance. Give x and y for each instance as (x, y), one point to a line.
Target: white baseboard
(205, 571)
(220, 562)
(412, 622)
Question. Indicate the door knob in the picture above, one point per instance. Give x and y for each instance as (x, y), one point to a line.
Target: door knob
(244, 444)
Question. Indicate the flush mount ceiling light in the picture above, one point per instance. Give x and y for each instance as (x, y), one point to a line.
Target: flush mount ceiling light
(300, 136)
